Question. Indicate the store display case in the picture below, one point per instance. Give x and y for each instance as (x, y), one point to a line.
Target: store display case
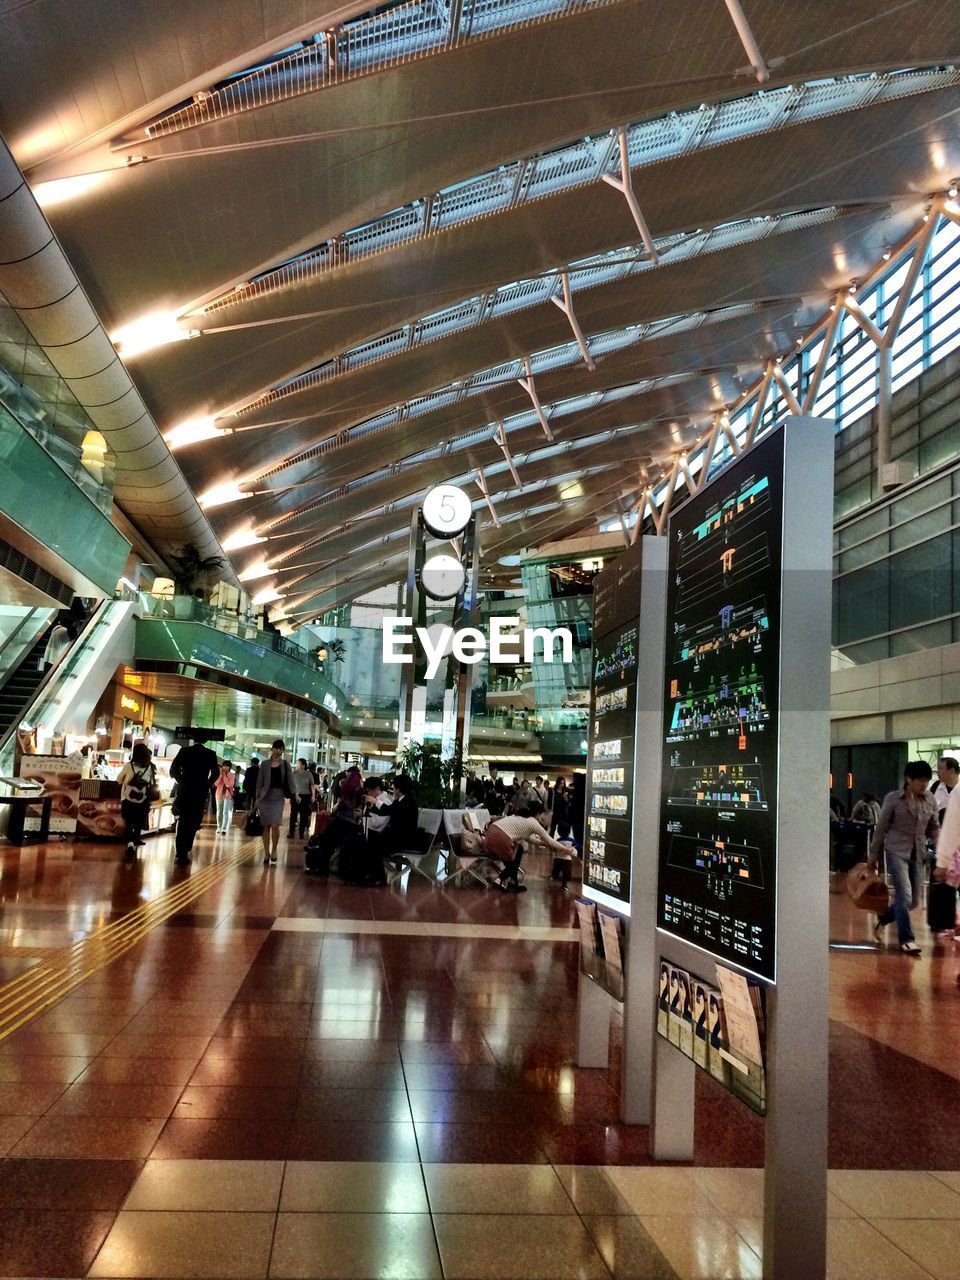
(99, 814)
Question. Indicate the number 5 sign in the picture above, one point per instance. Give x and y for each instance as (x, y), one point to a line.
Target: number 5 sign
(446, 511)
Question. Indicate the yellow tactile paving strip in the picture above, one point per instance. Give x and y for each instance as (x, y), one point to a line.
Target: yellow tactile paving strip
(67, 968)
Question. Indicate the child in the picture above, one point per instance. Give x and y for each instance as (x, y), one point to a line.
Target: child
(562, 863)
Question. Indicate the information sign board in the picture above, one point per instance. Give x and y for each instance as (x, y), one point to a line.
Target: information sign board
(717, 883)
(613, 713)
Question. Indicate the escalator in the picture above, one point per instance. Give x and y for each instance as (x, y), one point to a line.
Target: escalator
(63, 697)
(19, 689)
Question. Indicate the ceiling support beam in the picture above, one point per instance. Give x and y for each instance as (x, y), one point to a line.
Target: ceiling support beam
(624, 184)
(565, 303)
(748, 40)
(826, 354)
(501, 440)
(731, 435)
(482, 486)
(776, 374)
(530, 387)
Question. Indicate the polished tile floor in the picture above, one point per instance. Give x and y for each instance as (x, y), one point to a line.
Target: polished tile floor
(239, 1071)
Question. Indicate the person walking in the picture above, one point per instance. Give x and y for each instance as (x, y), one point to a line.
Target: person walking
(302, 793)
(274, 786)
(195, 769)
(224, 788)
(560, 810)
(250, 783)
(908, 819)
(948, 775)
(137, 778)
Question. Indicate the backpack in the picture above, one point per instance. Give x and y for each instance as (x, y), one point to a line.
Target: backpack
(137, 794)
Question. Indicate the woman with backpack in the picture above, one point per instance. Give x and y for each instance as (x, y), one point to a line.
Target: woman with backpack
(138, 781)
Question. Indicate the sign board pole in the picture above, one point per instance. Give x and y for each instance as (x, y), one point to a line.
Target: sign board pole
(639, 1000)
(796, 617)
(795, 1182)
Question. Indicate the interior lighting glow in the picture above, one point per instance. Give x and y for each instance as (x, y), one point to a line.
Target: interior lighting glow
(192, 431)
(220, 494)
(267, 595)
(62, 190)
(157, 329)
(242, 539)
(259, 569)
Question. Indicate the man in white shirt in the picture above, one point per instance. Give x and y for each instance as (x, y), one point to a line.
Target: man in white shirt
(377, 803)
(948, 775)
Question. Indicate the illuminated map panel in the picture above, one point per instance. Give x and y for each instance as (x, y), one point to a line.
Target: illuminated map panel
(717, 879)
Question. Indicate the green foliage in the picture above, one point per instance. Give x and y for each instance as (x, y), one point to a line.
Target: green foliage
(437, 779)
(189, 566)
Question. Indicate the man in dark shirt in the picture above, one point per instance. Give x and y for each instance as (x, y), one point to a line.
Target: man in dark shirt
(194, 769)
(908, 820)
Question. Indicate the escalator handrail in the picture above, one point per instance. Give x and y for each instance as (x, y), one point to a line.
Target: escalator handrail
(38, 692)
(12, 637)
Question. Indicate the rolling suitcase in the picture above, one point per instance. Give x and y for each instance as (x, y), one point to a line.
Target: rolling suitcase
(941, 907)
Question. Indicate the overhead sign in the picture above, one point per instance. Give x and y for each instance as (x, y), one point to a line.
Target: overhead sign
(198, 734)
(717, 884)
(446, 510)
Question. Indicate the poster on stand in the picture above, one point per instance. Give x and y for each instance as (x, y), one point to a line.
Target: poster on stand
(60, 777)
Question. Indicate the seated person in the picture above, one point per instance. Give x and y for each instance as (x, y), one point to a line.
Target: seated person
(506, 834)
(404, 828)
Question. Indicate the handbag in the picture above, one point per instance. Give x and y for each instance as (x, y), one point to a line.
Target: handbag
(254, 826)
(866, 890)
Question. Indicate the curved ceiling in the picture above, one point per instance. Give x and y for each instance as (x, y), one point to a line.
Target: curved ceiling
(370, 260)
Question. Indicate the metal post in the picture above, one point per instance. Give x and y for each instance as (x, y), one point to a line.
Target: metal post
(501, 439)
(795, 1171)
(640, 991)
(566, 306)
(884, 407)
(624, 184)
(530, 387)
(748, 40)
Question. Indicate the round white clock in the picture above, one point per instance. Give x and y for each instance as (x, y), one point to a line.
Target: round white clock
(442, 577)
(446, 510)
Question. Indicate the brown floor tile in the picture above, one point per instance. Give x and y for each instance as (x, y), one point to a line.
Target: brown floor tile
(139, 1071)
(50, 1242)
(325, 1075)
(372, 1105)
(479, 1143)
(353, 1141)
(12, 1129)
(146, 1045)
(200, 1102)
(223, 1139)
(34, 1069)
(29, 1098)
(132, 1101)
(259, 1073)
(96, 1137)
(67, 1184)
(479, 1247)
